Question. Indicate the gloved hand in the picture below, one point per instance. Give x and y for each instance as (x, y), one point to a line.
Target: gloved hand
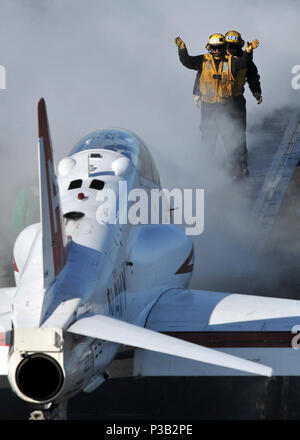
(196, 100)
(251, 46)
(258, 97)
(179, 43)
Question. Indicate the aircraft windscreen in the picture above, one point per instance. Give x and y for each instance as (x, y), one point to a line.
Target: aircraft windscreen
(114, 140)
(122, 142)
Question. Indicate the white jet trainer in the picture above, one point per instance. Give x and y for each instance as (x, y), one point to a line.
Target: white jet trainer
(84, 287)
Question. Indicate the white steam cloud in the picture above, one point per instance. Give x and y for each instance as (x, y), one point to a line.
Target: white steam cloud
(114, 63)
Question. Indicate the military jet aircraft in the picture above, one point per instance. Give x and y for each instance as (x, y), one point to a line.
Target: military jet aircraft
(86, 284)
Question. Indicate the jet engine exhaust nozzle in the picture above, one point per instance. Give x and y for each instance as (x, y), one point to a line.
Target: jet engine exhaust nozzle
(39, 377)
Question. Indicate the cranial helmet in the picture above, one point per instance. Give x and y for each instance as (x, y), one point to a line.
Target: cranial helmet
(234, 37)
(215, 40)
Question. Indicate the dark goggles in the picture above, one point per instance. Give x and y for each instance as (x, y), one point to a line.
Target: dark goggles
(219, 47)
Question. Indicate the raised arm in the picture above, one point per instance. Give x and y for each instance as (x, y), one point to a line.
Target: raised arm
(244, 60)
(191, 62)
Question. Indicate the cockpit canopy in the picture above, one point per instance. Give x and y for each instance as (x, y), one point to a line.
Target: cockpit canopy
(125, 143)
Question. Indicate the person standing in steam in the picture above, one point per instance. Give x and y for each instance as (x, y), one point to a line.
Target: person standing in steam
(217, 72)
(250, 74)
(234, 44)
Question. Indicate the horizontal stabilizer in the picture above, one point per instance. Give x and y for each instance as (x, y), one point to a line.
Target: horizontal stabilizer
(114, 330)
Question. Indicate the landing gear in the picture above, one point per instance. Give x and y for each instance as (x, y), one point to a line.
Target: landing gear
(272, 403)
(50, 412)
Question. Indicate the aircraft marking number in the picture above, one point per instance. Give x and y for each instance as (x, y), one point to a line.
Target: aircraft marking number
(116, 296)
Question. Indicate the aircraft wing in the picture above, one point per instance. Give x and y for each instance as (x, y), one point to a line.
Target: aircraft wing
(6, 297)
(253, 327)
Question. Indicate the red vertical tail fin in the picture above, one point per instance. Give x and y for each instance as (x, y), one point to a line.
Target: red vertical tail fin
(54, 237)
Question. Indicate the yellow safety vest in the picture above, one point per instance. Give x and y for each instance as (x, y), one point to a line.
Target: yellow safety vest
(240, 81)
(216, 86)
